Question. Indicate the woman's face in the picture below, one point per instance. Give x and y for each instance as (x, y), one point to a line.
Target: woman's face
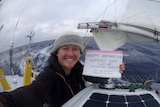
(68, 56)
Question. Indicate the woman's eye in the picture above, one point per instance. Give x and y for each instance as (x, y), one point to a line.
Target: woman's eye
(64, 48)
(76, 48)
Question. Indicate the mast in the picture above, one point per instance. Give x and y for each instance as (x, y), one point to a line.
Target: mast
(11, 57)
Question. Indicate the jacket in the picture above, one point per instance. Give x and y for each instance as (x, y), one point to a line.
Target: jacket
(52, 87)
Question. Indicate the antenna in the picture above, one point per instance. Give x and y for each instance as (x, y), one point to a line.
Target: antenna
(30, 39)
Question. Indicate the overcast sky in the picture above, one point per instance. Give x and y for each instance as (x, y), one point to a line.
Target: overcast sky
(47, 18)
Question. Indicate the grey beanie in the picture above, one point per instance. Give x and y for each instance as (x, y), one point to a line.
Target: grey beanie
(66, 38)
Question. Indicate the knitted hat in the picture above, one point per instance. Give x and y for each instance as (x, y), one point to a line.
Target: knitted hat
(68, 38)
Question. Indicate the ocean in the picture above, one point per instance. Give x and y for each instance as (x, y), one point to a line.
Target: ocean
(141, 60)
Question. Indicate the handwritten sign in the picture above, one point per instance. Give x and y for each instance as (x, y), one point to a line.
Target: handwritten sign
(103, 64)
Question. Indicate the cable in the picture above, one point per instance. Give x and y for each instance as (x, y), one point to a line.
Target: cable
(12, 41)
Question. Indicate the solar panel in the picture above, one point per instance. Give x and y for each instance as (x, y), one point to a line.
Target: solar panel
(137, 104)
(117, 105)
(152, 103)
(99, 97)
(115, 98)
(133, 98)
(105, 100)
(146, 97)
(94, 103)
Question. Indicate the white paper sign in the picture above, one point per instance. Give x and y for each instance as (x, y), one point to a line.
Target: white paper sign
(103, 64)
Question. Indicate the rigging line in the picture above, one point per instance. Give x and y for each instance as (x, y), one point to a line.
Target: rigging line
(1, 27)
(19, 20)
(86, 41)
(103, 13)
(125, 11)
(155, 33)
(12, 43)
(84, 13)
(115, 11)
(141, 5)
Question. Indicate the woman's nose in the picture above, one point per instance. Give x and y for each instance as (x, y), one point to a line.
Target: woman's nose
(70, 52)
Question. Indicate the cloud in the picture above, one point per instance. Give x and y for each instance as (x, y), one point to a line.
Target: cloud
(46, 18)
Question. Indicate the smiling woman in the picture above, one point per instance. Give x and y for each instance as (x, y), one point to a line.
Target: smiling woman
(68, 49)
(68, 56)
(60, 80)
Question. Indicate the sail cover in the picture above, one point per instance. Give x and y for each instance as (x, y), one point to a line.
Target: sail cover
(109, 40)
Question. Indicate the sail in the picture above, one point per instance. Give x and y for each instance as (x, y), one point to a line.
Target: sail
(140, 22)
(144, 13)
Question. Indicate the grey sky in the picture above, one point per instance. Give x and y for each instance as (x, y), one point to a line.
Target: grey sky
(47, 18)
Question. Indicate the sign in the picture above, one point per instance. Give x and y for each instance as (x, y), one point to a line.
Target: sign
(103, 64)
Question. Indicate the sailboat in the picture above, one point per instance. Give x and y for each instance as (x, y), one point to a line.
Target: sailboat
(140, 23)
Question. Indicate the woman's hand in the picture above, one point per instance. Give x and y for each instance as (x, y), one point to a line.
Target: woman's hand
(121, 68)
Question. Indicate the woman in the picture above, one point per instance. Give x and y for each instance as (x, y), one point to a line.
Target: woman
(60, 80)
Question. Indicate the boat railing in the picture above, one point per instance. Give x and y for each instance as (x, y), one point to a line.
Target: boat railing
(138, 77)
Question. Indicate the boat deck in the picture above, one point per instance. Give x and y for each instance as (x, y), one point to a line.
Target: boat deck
(93, 96)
